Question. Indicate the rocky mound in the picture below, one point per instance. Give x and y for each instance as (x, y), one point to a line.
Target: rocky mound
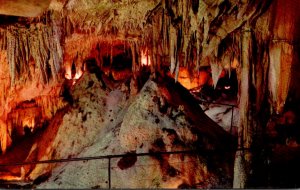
(162, 117)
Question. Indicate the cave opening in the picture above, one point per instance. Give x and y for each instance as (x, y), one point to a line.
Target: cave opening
(118, 65)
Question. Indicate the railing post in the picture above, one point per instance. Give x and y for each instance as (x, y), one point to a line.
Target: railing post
(232, 107)
(109, 177)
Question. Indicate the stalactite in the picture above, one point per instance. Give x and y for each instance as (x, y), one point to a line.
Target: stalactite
(261, 62)
(165, 25)
(134, 61)
(41, 42)
(38, 52)
(50, 105)
(183, 27)
(281, 58)
(199, 26)
(22, 57)
(195, 32)
(3, 39)
(173, 49)
(153, 52)
(5, 136)
(11, 48)
(138, 49)
(56, 47)
(178, 51)
(216, 70)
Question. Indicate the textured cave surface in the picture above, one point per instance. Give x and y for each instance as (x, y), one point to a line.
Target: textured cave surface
(103, 77)
(110, 121)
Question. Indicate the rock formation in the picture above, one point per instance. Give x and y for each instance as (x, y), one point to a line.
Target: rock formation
(105, 121)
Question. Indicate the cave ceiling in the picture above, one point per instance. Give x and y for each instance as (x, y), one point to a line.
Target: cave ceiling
(189, 32)
(173, 33)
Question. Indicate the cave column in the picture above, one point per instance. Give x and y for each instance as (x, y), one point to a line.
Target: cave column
(243, 155)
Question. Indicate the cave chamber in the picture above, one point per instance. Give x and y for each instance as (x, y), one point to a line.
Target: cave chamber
(149, 94)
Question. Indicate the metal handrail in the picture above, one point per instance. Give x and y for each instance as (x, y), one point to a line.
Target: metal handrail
(98, 157)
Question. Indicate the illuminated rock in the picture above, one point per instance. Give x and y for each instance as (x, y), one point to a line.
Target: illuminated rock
(105, 122)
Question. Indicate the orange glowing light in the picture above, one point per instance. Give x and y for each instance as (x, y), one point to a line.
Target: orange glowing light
(78, 74)
(29, 122)
(202, 78)
(10, 178)
(235, 63)
(68, 71)
(145, 58)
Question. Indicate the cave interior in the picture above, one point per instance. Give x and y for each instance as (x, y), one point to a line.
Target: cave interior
(149, 94)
